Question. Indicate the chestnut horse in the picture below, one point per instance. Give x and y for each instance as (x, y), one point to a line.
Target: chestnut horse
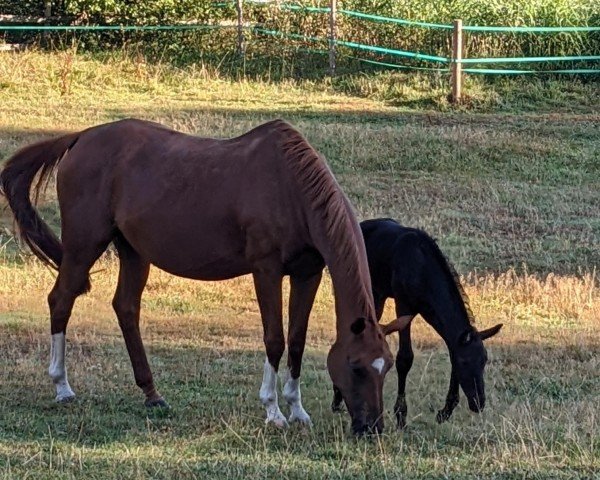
(263, 203)
(407, 265)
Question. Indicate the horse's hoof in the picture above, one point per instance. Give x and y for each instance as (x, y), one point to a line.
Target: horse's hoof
(157, 403)
(278, 421)
(401, 423)
(65, 398)
(301, 418)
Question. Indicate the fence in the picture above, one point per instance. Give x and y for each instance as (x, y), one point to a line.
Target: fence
(453, 62)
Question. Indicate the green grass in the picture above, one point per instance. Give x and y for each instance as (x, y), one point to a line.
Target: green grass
(509, 184)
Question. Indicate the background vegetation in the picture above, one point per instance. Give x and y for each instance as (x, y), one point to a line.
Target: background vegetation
(219, 46)
(509, 183)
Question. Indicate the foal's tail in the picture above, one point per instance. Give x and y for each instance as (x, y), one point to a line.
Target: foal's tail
(15, 183)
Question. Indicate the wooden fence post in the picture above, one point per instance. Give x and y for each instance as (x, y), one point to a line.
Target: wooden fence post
(332, 35)
(47, 8)
(241, 47)
(457, 46)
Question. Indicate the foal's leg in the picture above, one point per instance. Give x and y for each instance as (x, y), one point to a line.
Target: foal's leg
(133, 274)
(451, 399)
(268, 293)
(302, 296)
(404, 361)
(336, 404)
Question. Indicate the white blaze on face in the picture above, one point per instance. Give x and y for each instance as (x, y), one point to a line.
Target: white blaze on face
(268, 396)
(378, 364)
(57, 369)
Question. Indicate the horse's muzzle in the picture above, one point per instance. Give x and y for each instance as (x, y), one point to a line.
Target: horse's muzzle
(361, 429)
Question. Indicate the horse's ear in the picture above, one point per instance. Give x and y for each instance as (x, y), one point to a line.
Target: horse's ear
(358, 326)
(397, 325)
(490, 332)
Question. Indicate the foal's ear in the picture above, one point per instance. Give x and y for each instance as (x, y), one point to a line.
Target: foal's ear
(397, 325)
(358, 326)
(490, 332)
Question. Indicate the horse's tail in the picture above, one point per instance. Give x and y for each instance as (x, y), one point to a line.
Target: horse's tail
(15, 183)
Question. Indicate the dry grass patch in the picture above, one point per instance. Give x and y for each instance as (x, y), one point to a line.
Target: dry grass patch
(204, 341)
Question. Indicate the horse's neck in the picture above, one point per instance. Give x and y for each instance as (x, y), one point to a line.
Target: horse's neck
(352, 298)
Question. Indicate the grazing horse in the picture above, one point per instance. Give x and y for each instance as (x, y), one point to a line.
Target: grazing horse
(264, 203)
(407, 265)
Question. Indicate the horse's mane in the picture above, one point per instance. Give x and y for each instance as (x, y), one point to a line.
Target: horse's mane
(453, 275)
(326, 199)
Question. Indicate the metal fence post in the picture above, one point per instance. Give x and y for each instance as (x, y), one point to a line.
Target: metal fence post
(332, 35)
(241, 47)
(457, 46)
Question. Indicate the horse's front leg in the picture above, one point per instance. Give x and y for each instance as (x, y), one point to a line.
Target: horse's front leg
(451, 399)
(268, 293)
(302, 296)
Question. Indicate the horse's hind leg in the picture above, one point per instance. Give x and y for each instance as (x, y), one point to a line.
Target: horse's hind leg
(302, 297)
(72, 281)
(133, 274)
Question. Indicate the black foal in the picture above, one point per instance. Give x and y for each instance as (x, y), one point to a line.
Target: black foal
(407, 265)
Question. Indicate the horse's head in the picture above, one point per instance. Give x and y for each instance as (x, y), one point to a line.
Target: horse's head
(357, 364)
(469, 358)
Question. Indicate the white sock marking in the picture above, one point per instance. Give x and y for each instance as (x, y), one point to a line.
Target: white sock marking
(291, 393)
(268, 396)
(378, 364)
(57, 370)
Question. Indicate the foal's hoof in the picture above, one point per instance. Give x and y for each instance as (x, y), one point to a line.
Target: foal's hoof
(401, 422)
(157, 403)
(442, 416)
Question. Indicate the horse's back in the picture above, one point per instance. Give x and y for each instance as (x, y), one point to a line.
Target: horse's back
(197, 207)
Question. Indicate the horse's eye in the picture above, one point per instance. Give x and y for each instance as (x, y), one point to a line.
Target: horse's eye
(358, 371)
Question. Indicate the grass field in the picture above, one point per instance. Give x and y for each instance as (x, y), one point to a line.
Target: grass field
(508, 184)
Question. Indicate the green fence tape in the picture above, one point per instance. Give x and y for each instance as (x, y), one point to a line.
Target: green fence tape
(530, 59)
(306, 9)
(489, 71)
(295, 36)
(289, 6)
(110, 27)
(352, 13)
(401, 53)
(475, 28)
(395, 65)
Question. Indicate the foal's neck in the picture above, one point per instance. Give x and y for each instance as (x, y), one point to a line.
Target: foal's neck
(445, 311)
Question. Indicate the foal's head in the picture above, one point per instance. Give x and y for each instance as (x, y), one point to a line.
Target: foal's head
(357, 364)
(469, 358)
